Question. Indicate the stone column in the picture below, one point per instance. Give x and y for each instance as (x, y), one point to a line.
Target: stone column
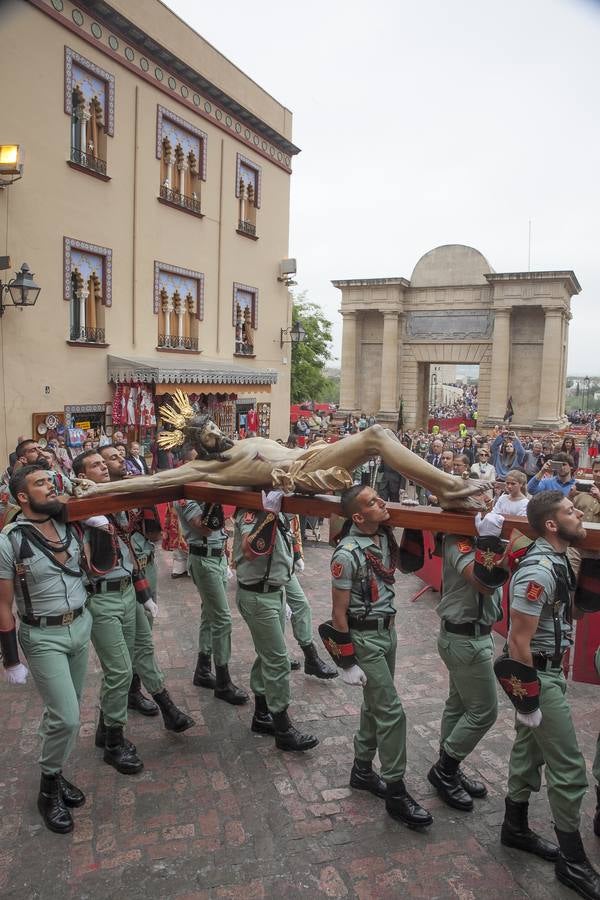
(389, 364)
(348, 369)
(549, 413)
(500, 364)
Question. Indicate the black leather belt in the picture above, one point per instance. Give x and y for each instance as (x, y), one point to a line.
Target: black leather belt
(260, 587)
(546, 662)
(64, 619)
(205, 551)
(470, 628)
(372, 624)
(111, 584)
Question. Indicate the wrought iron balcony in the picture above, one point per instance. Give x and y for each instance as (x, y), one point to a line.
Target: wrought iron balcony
(244, 349)
(247, 227)
(87, 335)
(190, 203)
(172, 342)
(88, 161)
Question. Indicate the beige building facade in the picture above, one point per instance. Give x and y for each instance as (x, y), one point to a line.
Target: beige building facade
(154, 212)
(455, 310)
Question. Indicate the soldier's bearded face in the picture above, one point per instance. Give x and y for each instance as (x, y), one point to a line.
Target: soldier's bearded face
(568, 521)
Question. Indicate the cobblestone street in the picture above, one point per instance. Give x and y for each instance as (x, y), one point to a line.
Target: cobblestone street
(218, 812)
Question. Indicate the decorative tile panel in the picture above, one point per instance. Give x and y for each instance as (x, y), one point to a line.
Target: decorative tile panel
(178, 131)
(246, 296)
(249, 172)
(90, 78)
(79, 253)
(174, 278)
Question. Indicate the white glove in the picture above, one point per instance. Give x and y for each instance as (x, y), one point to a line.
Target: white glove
(490, 525)
(151, 608)
(96, 522)
(16, 674)
(230, 573)
(272, 501)
(532, 719)
(300, 565)
(288, 612)
(354, 675)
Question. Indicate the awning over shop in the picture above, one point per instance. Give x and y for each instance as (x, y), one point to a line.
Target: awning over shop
(220, 376)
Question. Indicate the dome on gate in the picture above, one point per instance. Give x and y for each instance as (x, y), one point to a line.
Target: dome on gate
(451, 264)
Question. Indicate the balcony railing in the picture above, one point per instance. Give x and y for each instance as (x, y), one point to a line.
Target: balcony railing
(88, 161)
(171, 342)
(87, 335)
(244, 349)
(190, 203)
(247, 227)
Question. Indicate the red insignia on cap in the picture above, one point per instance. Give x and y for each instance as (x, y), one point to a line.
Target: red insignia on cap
(336, 569)
(249, 517)
(534, 591)
(465, 546)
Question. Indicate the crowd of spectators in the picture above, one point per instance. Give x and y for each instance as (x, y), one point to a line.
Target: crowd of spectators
(464, 406)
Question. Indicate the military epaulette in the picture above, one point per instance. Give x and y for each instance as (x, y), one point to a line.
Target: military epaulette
(465, 545)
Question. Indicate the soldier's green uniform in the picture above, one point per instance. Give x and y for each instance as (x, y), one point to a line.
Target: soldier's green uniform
(301, 619)
(371, 616)
(144, 659)
(57, 654)
(208, 568)
(466, 647)
(261, 601)
(535, 590)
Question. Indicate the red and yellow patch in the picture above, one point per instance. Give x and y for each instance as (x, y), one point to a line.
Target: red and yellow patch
(336, 569)
(249, 517)
(464, 546)
(534, 591)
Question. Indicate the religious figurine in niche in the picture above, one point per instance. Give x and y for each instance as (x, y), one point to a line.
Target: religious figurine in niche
(263, 463)
(247, 333)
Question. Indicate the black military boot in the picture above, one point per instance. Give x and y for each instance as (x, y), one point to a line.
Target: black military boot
(51, 805)
(289, 738)
(226, 690)
(118, 755)
(294, 665)
(443, 775)
(262, 720)
(473, 787)
(203, 677)
(137, 701)
(173, 717)
(100, 739)
(517, 833)
(71, 795)
(314, 665)
(573, 868)
(363, 778)
(400, 805)
(597, 813)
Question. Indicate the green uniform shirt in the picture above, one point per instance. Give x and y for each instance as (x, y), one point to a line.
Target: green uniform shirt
(125, 565)
(460, 600)
(258, 569)
(52, 591)
(350, 571)
(191, 510)
(533, 592)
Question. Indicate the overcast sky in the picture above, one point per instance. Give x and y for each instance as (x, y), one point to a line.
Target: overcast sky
(432, 122)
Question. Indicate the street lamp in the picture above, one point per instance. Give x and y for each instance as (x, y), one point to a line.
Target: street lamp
(296, 332)
(22, 290)
(586, 391)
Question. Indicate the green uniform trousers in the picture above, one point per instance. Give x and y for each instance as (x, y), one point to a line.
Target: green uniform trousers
(472, 705)
(382, 721)
(301, 613)
(57, 656)
(555, 744)
(113, 637)
(264, 615)
(209, 574)
(152, 576)
(144, 660)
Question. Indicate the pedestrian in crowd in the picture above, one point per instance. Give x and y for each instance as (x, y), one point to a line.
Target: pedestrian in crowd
(470, 449)
(570, 447)
(264, 561)
(555, 475)
(41, 571)
(362, 640)
(514, 500)
(470, 605)
(540, 633)
(203, 528)
(533, 460)
(507, 453)
(435, 455)
(483, 468)
(461, 464)
(138, 462)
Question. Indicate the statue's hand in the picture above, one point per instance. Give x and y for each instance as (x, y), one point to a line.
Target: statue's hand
(83, 487)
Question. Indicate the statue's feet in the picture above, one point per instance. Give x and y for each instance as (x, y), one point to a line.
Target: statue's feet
(466, 494)
(83, 487)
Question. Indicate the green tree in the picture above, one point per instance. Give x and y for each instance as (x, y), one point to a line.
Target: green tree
(310, 357)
